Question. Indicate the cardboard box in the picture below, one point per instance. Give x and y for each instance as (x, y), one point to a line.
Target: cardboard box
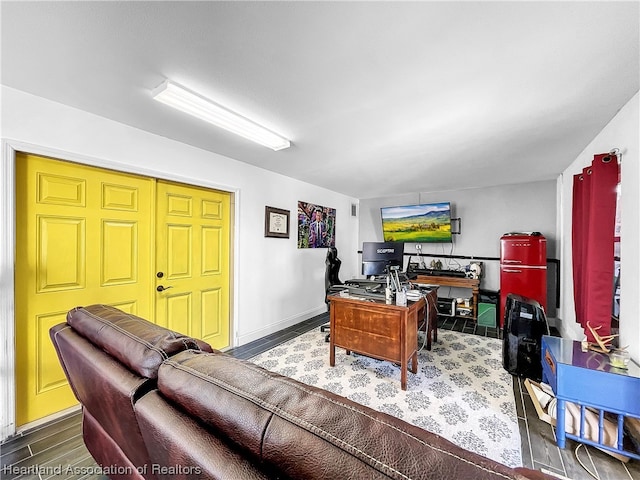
(542, 412)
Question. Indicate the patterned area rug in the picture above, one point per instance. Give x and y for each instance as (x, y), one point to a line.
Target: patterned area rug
(460, 392)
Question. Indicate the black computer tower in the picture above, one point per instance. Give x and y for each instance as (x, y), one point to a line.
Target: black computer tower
(524, 325)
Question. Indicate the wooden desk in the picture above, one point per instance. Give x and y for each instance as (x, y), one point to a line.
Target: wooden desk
(378, 330)
(459, 282)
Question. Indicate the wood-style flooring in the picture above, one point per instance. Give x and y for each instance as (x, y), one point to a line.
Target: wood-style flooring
(56, 451)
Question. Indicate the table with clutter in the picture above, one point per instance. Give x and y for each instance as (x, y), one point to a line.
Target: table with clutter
(597, 394)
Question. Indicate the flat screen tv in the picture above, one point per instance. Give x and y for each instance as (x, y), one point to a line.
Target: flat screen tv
(423, 223)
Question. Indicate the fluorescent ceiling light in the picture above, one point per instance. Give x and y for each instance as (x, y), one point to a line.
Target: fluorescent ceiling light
(190, 102)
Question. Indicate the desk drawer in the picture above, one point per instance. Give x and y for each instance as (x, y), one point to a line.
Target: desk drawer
(368, 344)
(368, 319)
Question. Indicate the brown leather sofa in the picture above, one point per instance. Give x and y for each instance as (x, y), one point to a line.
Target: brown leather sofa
(157, 404)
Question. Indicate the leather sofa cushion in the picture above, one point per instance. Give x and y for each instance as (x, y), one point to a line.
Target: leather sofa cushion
(139, 344)
(177, 440)
(308, 432)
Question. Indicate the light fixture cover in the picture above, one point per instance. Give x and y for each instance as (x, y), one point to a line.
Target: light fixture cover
(174, 95)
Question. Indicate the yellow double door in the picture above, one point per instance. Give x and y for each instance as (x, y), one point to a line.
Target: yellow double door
(85, 235)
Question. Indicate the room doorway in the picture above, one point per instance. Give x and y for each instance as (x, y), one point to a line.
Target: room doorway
(86, 235)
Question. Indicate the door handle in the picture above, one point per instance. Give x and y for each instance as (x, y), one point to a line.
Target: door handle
(161, 288)
(511, 270)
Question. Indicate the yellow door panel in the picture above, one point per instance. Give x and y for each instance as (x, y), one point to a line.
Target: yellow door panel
(193, 261)
(212, 239)
(60, 265)
(59, 190)
(119, 197)
(49, 376)
(119, 253)
(83, 236)
(180, 244)
(179, 312)
(179, 205)
(211, 307)
(127, 307)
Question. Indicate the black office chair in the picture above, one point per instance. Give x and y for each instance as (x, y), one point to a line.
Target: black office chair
(331, 278)
(429, 323)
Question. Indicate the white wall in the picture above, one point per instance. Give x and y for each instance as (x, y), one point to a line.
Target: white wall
(275, 283)
(622, 132)
(486, 214)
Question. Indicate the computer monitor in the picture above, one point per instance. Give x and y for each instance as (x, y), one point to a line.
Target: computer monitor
(379, 257)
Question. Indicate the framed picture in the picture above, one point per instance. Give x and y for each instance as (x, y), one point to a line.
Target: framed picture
(316, 226)
(276, 222)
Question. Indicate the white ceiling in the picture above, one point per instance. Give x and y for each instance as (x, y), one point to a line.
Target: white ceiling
(378, 98)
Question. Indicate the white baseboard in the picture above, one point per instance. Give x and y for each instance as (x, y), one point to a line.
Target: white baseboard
(244, 338)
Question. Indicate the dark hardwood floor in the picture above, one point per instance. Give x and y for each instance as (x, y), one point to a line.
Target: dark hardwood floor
(56, 451)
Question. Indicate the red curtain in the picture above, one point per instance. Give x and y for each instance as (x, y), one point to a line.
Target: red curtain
(593, 222)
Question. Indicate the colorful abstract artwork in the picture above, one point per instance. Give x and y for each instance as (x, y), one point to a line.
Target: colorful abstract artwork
(316, 226)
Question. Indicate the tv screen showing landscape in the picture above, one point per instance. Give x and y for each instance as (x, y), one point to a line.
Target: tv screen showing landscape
(427, 222)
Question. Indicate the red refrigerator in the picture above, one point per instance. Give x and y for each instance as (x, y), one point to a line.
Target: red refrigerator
(523, 268)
